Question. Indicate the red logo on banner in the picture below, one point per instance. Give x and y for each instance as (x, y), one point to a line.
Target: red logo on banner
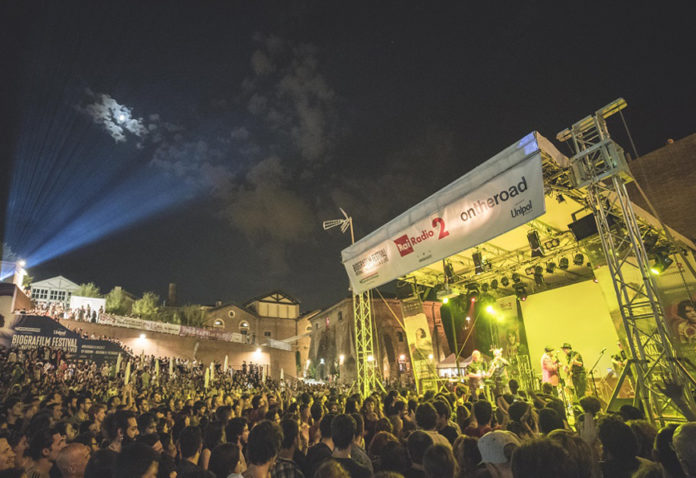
(403, 244)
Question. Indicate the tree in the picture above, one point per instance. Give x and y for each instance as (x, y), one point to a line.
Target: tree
(192, 315)
(147, 307)
(26, 282)
(117, 302)
(88, 290)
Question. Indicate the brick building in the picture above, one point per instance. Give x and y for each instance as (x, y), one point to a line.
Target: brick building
(332, 349)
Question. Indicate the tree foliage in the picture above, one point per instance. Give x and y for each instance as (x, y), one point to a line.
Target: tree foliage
(88, 290)
(117, 302)
(147, 307)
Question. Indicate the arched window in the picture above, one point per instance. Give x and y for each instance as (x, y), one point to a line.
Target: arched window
(219, 323)
(340, 315)
(244, 327)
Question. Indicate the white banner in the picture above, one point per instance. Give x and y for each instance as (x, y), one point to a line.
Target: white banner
(462, 215)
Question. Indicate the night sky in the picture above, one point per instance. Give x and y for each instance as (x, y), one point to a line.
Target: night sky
(203, 143)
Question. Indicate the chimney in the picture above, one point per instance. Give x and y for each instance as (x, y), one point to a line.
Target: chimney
(171, 296)
(218, 303)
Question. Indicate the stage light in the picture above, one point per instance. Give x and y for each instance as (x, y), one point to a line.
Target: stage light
(490, 309)
(521, 292)
(504, 281)
(478, 262)
(342, 358)
(321, 361)
(445, 300)
(494, 284)
(449, 271)
(550, 244)
(535, 244)
(402, 358)
(21, 263)
(563, 263)
(539, 275)
(662, 262)
(258, 350)
(550, 267)
(529, 270)
(430, 356)
(468, 319)
(650, 240)
(484, 287)
(516, 278)
(579, 259)
(142, 336)
(370, 358)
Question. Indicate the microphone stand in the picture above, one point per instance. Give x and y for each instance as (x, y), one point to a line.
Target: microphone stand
(594, 385)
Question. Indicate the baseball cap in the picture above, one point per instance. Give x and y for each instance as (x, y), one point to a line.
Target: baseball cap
(492, 445)
(566, 346)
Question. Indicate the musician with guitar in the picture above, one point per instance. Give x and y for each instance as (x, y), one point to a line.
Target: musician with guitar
(575, 368)
(476, 373)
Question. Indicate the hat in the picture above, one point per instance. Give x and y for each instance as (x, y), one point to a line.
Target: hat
(492, 445)
(548, 348)
(566, 345)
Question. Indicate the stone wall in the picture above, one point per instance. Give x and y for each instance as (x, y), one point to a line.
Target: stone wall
(208, 350)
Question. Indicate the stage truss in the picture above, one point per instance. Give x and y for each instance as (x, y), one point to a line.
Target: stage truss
(600, 170)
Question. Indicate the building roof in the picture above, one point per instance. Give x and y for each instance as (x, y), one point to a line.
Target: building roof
(57, 282)
(275, 297)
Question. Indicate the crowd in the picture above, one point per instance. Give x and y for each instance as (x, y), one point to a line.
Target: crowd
(70, 419)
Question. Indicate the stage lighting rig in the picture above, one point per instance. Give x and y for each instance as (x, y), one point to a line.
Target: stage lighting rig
(479, 263)
(535, 244)
(661, 262)
(552, 243)
(539, 276)
(521, 292)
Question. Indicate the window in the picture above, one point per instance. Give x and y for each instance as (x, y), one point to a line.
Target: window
(267, 333)
(231, 314)
(61, 295)
(309, 328)
(244, 327)
(400, 336)
(40, 293)
(53, 295)
(340, 315)
(218, 323)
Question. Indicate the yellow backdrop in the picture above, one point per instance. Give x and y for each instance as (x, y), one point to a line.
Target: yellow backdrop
(576, 314)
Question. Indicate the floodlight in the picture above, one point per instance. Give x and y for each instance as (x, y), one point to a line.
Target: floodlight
(550, 267)
(21, 263)
(478, 262)
(521, 292)
(490, 309)
(579, 259)
(484, 287)
(539, 275)
(650, 240)
(563, 263)
(494, 284)
(516, 278)
(551, 243)
(662, 262)
(504, 281)
(535, 244)
(142, 336)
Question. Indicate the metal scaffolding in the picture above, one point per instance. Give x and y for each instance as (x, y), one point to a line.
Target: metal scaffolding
(363, 328)
(599, 168)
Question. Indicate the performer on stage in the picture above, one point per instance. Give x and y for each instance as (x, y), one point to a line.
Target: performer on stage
(549, 367)
(619, 359)
(476, 372)
(576, 368)
(498, 373)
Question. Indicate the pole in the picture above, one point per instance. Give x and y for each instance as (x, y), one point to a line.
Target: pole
(454, 342)
(594, 385)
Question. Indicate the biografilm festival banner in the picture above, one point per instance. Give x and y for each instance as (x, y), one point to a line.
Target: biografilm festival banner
(30, 332)
(475, 214)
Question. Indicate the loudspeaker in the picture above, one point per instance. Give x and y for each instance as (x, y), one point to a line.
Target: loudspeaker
(586, 226)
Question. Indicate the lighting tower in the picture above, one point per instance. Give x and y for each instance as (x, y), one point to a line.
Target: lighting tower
(362, 323)
(599, 167)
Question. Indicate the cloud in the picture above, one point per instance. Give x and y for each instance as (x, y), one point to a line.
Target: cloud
(117, 119)
(240, 133)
